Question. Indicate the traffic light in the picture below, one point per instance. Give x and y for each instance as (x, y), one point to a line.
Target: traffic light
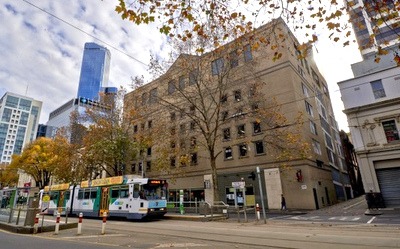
(252, 175)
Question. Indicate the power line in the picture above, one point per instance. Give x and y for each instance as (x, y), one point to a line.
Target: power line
(77, 28)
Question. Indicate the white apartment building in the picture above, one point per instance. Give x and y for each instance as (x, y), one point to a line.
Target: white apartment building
(18, 125)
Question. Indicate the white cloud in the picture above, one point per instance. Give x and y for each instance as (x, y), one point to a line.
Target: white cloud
(42, 53)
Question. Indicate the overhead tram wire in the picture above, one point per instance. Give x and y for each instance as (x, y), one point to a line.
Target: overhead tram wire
(75, 27)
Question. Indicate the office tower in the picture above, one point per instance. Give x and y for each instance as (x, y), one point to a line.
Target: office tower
(296, 85)
(94, 71)
(18, 124)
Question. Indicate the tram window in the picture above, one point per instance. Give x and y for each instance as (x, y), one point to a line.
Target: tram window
(54, 196)
(93, 194)
(80, 194)
(115, 193)
(67, 195)
(124, 193)
(87, 194)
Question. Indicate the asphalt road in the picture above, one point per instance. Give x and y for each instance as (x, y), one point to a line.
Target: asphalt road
(19, 241)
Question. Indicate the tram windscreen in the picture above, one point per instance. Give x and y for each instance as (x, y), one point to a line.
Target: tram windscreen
(155, 190)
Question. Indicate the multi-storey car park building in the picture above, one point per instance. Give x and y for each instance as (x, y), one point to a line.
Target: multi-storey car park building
(372, 100)
(18, 124)
(308, 183)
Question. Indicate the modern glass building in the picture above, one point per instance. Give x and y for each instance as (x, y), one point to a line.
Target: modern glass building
(18, 124)
(94, 71)
(372, 17)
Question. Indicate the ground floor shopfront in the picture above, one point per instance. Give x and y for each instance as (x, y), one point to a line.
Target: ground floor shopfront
(380, 170)
(303, 187)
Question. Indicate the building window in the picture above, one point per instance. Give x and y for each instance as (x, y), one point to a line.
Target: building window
(391, 131)
(254, 106)
(133, 168)
(224, 99)
(182, 144)
(242, 150)
(173, 116)
(149, 151)
(193, 159)
(135, 128)
(238, 95)
(228, 153)
(144, 99)
(171, 87)
(217, 66)
(173, 145)
(317, 147)
(193, 75)
(172, 131)
(172, 161)
(313, 128)
(241, 130)
(192, 109)
(153, 96)
(182, 82)
(227, 134)
(306, 92)
(259, 147)
(234, 59)
(193, 142)
(309, 109)
(247, 53)
(192, 126)
(148, 166)
(256, 127)
(182, 128)
(315, 77)
(377, 89)
(150, 124)
(225, 115)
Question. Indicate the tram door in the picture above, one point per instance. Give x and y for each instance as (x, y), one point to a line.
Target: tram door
(60, 203)
(105, 193)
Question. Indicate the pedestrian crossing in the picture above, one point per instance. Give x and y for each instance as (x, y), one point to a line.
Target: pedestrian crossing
(324, 218)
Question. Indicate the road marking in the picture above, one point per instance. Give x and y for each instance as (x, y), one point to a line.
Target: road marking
(186, 245)
(373, 218)
(356, 218)
(95, 236)
(355, 204)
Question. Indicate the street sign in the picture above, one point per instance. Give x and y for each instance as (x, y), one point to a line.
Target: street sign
(44, 209)
(238, 185)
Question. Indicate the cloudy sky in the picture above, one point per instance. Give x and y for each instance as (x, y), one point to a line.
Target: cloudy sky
(41, 48)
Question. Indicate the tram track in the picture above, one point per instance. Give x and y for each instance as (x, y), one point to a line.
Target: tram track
(257, 236)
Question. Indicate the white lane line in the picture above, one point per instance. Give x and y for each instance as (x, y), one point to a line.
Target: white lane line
(373, 218)
(355, 204)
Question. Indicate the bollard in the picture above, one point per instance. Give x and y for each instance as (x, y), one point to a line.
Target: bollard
(36, 225)
(80, 224)
(57, 224)
(258, 211)
(103, 226)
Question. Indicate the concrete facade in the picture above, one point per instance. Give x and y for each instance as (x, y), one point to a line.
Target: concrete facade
(374, 121)
(298, 87)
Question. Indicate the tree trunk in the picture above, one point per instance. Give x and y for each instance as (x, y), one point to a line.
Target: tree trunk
(214, 178)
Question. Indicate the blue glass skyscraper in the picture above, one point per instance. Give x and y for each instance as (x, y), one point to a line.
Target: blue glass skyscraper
(94, 71)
